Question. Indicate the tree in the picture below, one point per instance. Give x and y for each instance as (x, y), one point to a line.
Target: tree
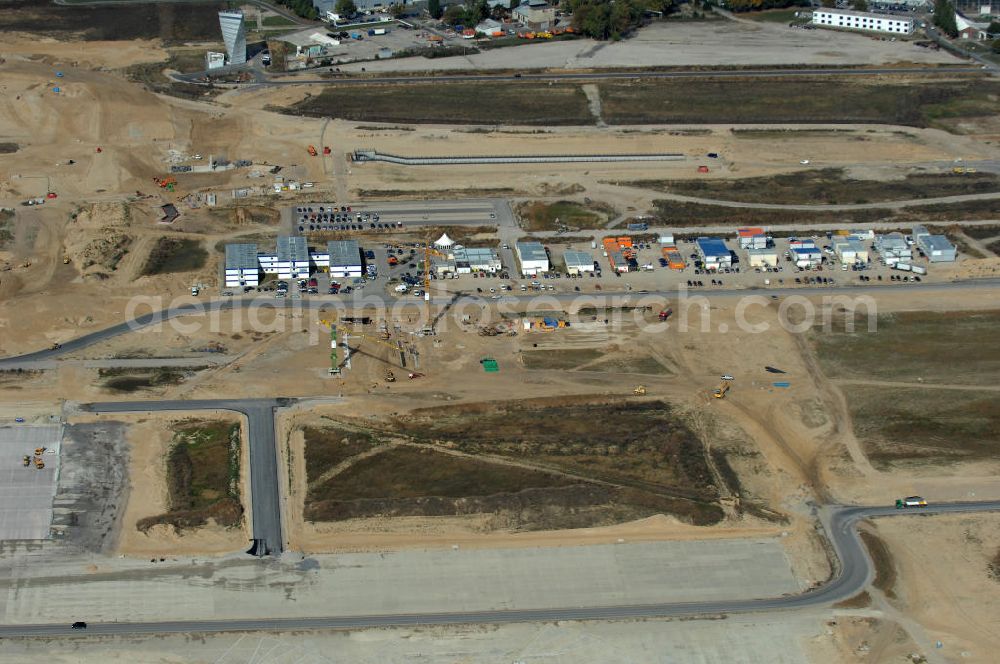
(454, 15)
(994, 29)
(860, 5)
(434, 8)
(346, 8)
(397, 11)
(944, 17)
(995, 46)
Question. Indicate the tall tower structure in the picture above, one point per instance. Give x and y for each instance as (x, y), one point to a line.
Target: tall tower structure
(234, 34)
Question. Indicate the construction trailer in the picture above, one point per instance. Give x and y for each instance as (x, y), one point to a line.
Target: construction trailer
(291, 260)
(621, 253)
(675, 261)
(714, 253)
(752, 238)
(762, 257)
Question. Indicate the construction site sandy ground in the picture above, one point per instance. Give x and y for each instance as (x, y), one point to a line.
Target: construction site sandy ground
(791, 447)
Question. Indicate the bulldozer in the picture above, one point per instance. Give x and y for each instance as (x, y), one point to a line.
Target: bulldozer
(26, 461)
(639, 390)
(389, 376)
(39, 464)
(312, 150)
(39, 451)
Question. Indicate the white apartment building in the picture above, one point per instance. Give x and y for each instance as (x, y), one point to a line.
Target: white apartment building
(291, 261)
(242, 267)
(866, 21)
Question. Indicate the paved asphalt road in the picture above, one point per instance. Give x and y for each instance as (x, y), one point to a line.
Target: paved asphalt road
(591, 299)
(265, 490)
(855, 571)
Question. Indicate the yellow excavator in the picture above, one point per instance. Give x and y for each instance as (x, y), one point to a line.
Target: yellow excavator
(639, 390)
(722, 389)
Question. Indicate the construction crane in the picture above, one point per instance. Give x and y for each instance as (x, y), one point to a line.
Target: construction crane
(334, 357)
(334, 360)
(428, 250)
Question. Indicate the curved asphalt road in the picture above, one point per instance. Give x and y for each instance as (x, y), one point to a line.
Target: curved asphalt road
(591, 299)
(855, 571)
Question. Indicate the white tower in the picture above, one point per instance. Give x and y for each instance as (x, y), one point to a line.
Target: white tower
(234, 35)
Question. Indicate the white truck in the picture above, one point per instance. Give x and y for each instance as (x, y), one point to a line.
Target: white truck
(918, 269)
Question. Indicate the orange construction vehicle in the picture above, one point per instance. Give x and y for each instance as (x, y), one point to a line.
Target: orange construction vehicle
(312, 150)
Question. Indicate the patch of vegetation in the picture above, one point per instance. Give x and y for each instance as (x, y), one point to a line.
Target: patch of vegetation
(9, 148)
(467, 103)
(638, 444)
(133, 380)
(562, 215)
(544, 464)
(6, 228)
(981, 232)
(173, 22)
(804, 100)
(203, 477)
(993, 567)
(957, 347)
(559, 358)
(900, 426)
(775, 15)
(829, 185)
(885, 566)
(698, 214)
(275, 21)
(329, 446)
(151, 75)
(485, 192)
(171, 255)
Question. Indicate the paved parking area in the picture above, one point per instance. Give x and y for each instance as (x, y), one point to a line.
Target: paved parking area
(398, 217)
(26, 493)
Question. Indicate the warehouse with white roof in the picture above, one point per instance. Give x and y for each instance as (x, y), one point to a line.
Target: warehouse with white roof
(533, 258)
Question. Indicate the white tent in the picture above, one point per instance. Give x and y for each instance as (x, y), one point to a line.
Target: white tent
(444, 241)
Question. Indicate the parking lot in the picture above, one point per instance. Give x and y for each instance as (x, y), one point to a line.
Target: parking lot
(398, 217)
(356, 42)
(26, 491)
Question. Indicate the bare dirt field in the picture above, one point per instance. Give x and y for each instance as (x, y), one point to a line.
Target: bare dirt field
(950, 591)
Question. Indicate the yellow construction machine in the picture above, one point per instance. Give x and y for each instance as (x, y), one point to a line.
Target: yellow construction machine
(722, 389)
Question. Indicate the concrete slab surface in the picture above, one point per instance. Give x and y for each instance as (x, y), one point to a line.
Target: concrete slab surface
(398, 582)
(26, 493)
(752, 639)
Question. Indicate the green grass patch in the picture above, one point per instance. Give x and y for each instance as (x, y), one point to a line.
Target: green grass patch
(6, 228)
(559, 358)
(465, 103)
(276, 21)
(173, 22)
(562, 215)
(327, 447)
(885, 566)
(171, 255)
(957, 347)
(924, 426)
(203, 476)
(830, 186)
(134, 379)
(777, 16)
(826, 99)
